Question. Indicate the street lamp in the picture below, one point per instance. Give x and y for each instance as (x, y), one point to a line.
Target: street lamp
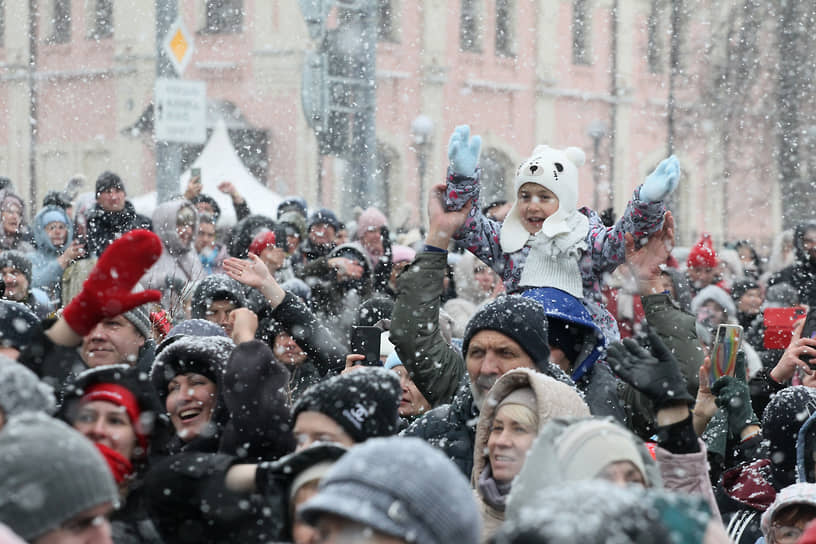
(422, 131)
(596, 130)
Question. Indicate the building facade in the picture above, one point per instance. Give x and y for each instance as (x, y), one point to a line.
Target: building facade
(589, 73)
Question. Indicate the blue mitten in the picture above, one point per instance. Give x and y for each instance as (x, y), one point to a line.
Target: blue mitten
(662, 182)
(463, 151)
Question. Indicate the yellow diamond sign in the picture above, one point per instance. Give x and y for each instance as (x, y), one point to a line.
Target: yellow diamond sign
(178, 46)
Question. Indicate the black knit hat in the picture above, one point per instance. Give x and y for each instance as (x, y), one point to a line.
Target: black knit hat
(323, 215)
(17, 260)
(19, 327)
(520, 318)
(216, 287)
(364, 403)
(108, 180)
(740, 287)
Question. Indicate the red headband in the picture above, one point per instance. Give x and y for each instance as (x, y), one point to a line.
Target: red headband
(120, 396)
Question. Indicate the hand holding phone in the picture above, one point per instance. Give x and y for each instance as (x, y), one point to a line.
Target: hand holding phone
(366, 341)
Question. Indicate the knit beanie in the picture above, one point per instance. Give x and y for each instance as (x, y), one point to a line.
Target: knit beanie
(522, 396)
(740, 287)
(702, 254)
(588, 446)
(323, 216)
(370, 219)
(22, 391)
(216, 287)
(140, 319)
(108, 180)
(556, 170)
(49, 473)
(401, 254)
(402, 487)
(364, 403)
(292, 204)
(53, 216)
(522, 319)
(11, 258)
(782, 419)
(18, 325)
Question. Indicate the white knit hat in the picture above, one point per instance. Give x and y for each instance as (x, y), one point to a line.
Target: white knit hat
(557, 170)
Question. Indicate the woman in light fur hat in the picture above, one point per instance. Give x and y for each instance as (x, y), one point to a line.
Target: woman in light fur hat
(545, 240)
(517, 406)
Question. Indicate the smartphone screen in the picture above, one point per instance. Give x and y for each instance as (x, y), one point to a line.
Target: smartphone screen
(724, 351)
(195, 173)
(809, 331)
(366, 341)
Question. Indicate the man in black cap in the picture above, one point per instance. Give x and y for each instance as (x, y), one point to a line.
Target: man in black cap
(15, 270)
(113, 215)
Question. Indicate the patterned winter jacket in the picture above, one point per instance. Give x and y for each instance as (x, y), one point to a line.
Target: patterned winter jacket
(606, 245)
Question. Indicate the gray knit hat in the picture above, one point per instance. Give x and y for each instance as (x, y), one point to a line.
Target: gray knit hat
(11, 258)
(402, 487)
(140, 319)
(49, 473)
(22, 391)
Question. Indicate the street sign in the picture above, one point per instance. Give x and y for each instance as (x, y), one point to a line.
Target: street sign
(181, 111)
(178, 46)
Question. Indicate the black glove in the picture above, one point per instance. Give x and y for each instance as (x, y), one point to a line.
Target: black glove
(733, 397)
(656, 374)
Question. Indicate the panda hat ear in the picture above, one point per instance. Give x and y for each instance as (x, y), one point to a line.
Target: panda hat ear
(576, 155)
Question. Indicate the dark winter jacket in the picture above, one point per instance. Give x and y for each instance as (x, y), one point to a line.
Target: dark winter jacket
(104, 226)
(336, 302)
(451, 428)
(326, 353)
(802, 274)
(255, 426)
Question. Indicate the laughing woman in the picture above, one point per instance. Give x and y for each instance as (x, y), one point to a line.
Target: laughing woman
(519, 403)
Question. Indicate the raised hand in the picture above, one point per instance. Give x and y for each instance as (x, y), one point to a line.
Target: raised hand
(662, 182)
(443, 222)
(644, 263)
(463, 151)
(654, 373)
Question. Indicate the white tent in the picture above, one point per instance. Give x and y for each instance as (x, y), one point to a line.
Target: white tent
(220, 162)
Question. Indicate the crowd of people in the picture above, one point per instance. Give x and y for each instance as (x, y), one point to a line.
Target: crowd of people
(544, 372)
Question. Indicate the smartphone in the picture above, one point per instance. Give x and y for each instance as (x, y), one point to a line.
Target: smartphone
(724, 351)
(366, 341)
(779, 325)
(809, 331)
(195, 173)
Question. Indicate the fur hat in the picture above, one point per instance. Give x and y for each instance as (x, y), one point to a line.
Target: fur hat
(205, 355)
(216, 287)
(702, 254)
(49, 473)
(718, 295)
(363, 403)
(18, 325)
(556, 170)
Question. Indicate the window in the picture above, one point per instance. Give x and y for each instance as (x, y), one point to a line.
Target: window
(654, 46)
(469, 26)
(224, 16)
(386, 20)
(101, 19)
(505, 28)
(580, 32)
(61, 22)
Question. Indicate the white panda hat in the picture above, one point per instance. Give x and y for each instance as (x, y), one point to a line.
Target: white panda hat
(557, 170)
